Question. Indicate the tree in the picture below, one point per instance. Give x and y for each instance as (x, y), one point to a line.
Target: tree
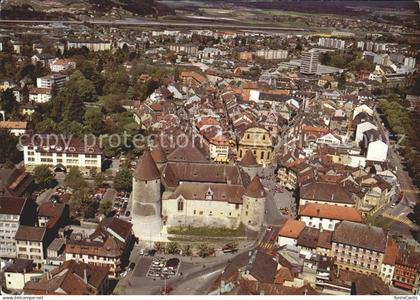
(8, 101)
(8, 165)
(74, 179)
(116, 80)
(173, 248)
(203, 250)
(8, 149)
(83, 87)
(123, 180)
(105, 207)
(159, 246)
(99, 179)
(91, 210)
(186, 250)
(43, 176)
(93, 121)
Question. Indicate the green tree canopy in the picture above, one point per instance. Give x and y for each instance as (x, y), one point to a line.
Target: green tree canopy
(74, 179)
(43, 176)
(123, 179)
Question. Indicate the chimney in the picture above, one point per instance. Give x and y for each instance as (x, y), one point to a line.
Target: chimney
(85, 275)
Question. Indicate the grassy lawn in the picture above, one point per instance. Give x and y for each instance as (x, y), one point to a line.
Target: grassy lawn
(207, 231)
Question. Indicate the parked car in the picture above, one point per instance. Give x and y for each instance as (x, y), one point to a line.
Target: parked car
(131, 266)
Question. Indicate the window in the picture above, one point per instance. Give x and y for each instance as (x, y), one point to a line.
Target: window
(180, 205)
(262, 155)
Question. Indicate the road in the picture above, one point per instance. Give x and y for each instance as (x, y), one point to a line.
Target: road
(406, 184)
(167, 24)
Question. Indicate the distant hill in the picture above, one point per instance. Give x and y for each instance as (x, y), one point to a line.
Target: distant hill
(72, 9)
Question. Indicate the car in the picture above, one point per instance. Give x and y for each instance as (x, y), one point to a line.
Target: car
(142, 252)
(393, 204)
(269, 228)
(131, 266)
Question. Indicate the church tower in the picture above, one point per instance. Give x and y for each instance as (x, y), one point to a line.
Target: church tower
(146, 199)
(253, 205)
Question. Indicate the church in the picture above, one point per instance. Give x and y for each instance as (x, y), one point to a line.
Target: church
(188, 190)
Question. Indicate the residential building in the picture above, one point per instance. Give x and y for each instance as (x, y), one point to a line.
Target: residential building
(258, 140)
(358, 247)
(59, 65)
(331, 43)
(310, 61)
(19, 273)
(219, 149)
(326, 216)
(92, 45)
(321, 192)
(407, 270)
(388, 264)
(13, 212)
(188, 49)
(270, 54)
(290, 232)
(61, 153)
(16, 128)
(106, 247)
(52, 80)
(72, 278)
(31, 244)
(40, 95)
(192, 78)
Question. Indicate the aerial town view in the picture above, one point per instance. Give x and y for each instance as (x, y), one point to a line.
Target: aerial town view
(198, 147)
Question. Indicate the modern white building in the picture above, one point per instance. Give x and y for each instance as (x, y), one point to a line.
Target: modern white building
(92, 45)
(270, 54)
(331, 43)
(49, 81)
(377, 151)
(11, 209)
(310, 61)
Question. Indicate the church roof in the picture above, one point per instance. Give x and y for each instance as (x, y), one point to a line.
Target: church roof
(255, 189)
(146, 168)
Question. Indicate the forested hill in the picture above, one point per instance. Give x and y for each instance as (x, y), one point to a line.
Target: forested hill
(76, 9)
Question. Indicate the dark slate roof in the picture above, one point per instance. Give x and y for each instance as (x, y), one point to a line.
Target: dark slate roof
(11, 205)
(30, 233)
(326, 191)
(360, 235)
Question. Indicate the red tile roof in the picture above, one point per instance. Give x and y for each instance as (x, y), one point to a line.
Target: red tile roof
(292, 228)
(328, 211)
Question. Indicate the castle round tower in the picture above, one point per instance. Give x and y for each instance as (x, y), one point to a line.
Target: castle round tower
(249, 164)
(253, 205)
(146, 199)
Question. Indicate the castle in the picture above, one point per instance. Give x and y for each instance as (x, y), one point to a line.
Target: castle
(172, 190)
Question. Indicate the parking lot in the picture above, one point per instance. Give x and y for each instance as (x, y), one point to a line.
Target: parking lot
(163, 268)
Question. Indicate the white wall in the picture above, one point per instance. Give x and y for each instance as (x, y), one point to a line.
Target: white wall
(377, 151)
